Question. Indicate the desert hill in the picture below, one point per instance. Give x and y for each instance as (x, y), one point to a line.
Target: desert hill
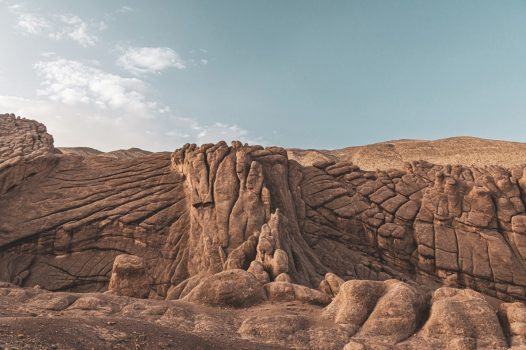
(463, 150)
(241, 246)
(92, 152)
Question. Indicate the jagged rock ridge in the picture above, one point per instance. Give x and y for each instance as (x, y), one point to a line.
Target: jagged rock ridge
(190, 225)
(202, 210)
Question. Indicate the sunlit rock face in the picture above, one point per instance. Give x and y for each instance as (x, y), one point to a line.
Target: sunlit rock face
(205, 209)
(242, 245)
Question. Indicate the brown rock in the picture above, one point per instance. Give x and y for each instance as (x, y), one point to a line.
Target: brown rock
(283, 291)
(257, 269)
(379, 313)
(231, 288)
(205, 209)
(462, 319)
(129, 277)
(513, 319)
(354, 302)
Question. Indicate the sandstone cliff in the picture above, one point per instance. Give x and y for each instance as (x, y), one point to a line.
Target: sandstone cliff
(203, 218)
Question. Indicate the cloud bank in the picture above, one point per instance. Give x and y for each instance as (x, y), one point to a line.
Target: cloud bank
(84, 105)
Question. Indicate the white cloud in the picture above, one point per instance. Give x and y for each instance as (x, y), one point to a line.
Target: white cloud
(58, 27)
(83, 105)
(76, 29)
(73, 82)
(32, 24)
(144, 60)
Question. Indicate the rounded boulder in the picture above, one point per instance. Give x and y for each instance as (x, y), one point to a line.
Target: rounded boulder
(231, 288)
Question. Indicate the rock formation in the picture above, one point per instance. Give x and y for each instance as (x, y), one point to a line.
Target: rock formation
(244, 226)
(129, 277)
(365, 315)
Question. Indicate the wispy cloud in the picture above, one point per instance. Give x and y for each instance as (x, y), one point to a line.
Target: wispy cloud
(84, 105)
(73, 82)
(32, 24)
(124, 9)
(148, 60)
(76, 29)
(58, 26)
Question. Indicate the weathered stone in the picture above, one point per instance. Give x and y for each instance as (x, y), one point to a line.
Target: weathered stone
(462, 319)
(231, 288)
(513, 318)
(258, 271)
(283, 291)
(354, 302)
(129, 277)
(206, 209)
(334, 282)
(396, 315)
(408, 210)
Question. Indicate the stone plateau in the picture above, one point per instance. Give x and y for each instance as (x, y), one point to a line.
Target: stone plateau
(239, 246)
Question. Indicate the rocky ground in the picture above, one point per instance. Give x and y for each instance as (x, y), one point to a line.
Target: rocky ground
(240, 246)
(363, 315)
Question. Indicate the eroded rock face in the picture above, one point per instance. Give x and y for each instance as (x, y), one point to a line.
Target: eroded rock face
(25, 149)
(241, 209)
(212, 208)
(384, 312)
(462, 319)
(354, 254)
(129, 277)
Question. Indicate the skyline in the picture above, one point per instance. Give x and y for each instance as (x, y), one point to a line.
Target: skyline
(308, 75)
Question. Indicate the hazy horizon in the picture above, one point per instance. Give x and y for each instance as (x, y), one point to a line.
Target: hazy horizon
(309, 74)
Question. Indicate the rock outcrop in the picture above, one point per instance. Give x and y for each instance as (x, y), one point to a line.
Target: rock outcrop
(203, 210)
(461, 319)
(382, 312)
(231, 288)
(25, 150)
(395, 316)
(129, 277)
(244, 226)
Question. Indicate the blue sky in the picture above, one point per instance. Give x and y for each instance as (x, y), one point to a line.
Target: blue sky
(311, 74)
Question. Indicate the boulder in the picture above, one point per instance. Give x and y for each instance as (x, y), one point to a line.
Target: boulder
(129, 277)
(284, 291)
(462, 319)
(231, 288)
(513, 319)
(379, 313)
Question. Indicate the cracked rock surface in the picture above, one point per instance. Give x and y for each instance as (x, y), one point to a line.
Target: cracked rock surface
(308, 256)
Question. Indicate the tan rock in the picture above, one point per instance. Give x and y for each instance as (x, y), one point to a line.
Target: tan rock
(462, 319)
(129, 277)
(231, 288)
(513, 319)
(283, 291)
(257, 269)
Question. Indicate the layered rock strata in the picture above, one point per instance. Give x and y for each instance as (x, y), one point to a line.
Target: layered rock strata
(206, 209)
